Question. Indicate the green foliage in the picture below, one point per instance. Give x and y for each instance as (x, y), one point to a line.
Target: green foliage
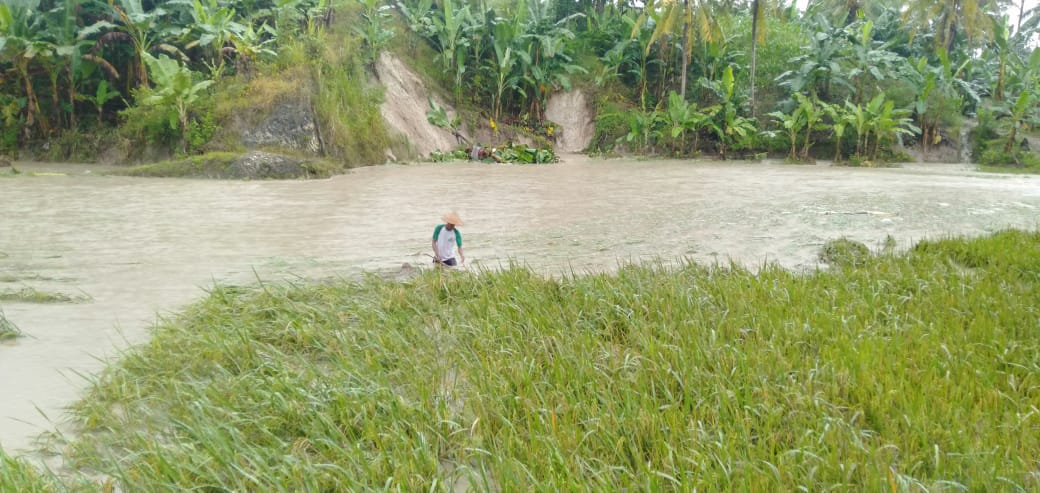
(438, 116)
(784, 41)
(611, 125)
(453, 155)
(523, 154)
(175, 88)
(374, 30)
(347, 107)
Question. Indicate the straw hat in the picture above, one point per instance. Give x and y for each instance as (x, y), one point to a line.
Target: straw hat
(452, 218)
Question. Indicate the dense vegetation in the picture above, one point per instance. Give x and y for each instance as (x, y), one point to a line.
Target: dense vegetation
(892, 371)
(842, 80)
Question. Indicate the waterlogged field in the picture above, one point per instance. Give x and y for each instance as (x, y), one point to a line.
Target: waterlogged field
(891, 372)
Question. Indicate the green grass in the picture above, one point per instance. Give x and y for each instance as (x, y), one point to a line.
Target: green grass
(8, 330)
(33, 295)
(17, 475)
(908, 372)
(209, 165)
(1011, 170)
(215, 165)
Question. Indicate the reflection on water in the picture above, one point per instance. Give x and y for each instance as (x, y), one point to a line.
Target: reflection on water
(139, 247)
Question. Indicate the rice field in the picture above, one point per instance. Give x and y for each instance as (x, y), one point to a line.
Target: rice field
(909, 371)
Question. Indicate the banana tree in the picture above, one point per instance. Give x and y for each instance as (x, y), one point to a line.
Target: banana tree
(62, 32)
(732, 129)
(20, 45)
(447, 30)
(252, 44)
(175, 87)
(643, 129)
(679, 118)
(504, 66)
(214, 28)
(889, 122)
(814, 114)
(940, 92)
(1027, 97)
(133, 24)
(375, 30)
(840, 120)
(103, 94)
(416, 14)
(819, 68)
(869, 60)
(547, 64)
(792, 123)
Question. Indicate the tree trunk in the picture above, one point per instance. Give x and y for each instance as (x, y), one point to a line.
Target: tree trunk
(685, 49)
(1011, 138)
(755, 19)
(32, 105)
(72, 95)
(1021, 14)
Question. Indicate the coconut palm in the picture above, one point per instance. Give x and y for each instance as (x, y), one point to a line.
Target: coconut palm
(758, 35)
(669, 16)
(948, 19)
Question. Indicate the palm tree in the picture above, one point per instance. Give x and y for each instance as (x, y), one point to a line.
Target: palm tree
(675, 15)
(948, 18)
(758, 35)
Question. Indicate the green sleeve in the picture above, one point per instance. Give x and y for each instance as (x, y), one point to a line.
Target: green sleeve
(458, 237)
(437, 231)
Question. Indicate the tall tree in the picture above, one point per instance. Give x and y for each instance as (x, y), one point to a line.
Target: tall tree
(949, 18)
(675, 15)
(757, 36)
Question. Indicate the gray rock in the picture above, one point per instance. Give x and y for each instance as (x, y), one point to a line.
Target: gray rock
(291, 125)
(258, 165)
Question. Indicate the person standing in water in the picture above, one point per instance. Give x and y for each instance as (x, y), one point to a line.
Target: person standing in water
(446, 239)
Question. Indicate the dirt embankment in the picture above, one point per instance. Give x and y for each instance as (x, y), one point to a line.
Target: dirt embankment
(406, 104)
(574, 113)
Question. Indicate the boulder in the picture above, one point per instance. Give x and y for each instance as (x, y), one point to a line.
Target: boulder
(258, 165)
(290, 125)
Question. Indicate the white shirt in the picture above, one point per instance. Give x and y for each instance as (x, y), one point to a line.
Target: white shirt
(447, 240)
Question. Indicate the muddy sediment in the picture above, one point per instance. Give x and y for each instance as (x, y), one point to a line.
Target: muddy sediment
(141, 247)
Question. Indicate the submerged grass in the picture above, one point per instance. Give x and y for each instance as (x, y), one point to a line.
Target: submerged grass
(220, 165)
(917, 371)
(8, 330)
(33, 295)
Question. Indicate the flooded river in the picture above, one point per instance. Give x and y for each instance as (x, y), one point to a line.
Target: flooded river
(140, 248)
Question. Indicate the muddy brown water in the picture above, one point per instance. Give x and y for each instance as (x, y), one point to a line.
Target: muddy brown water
(139, 248)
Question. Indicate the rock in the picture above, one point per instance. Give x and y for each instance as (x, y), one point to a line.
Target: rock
(291, 125)
(4, 163)
(258, 165)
